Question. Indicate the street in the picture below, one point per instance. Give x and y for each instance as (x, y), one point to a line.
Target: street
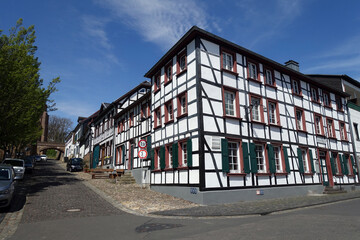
(59, 206)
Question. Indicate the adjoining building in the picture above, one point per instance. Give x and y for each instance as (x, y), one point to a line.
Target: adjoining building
(231, 125)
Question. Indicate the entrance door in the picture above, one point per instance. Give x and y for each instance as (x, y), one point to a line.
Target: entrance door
(323, 167)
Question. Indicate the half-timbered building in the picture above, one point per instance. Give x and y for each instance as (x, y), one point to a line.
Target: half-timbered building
(133, 123)
(230, 125)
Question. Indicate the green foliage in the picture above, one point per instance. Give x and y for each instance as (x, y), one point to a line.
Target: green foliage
(51, 153)
(23, 97)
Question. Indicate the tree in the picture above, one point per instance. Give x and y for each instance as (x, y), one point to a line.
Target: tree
(23, 97)
(58, 129)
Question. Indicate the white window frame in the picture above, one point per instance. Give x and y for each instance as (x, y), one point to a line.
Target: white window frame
(260, 158)
(305, 160)
(252, 71)
(255, 109)
(299, 119)
(229, 98)
(318, 124)
(329, 125)
(228, 61)
(272, 113)
(278, 159)
(234, 157)
(296, 86)
(269, 77)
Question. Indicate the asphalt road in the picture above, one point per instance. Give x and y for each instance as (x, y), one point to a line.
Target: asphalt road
(58, 206)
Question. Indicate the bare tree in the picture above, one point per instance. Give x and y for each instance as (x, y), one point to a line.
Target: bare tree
(58, 128)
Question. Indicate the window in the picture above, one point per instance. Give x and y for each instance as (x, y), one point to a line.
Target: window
(296, 87)
(326, 97)
(330, 128)
(300, 119)
(260, 158)
(131, 119)
(157, 117)
(169, 156)
(234, 157)
(169, 112)
(319, 129)
(314, 94)
(183, 152)
(343, 133)
(273, 111)
(157, 83)
(145, 110)
(305, 160)
(278, 159)
(335, 157)
(229, 103)
(228, 61)
(252, 71)
(339, 105)
(182, 104)
(256, 109)
(157, 158)
(181, 62)
(269, 77)
(168, 73)
(356, 131)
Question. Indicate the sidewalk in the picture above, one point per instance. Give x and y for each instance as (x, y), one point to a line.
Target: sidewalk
(151, 203)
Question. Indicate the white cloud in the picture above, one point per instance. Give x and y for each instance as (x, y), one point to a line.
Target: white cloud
(341, 66)
(94, 27)
(74, 109)
(160, 21)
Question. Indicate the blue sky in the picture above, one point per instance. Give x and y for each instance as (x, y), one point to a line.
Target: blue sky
(102, 48)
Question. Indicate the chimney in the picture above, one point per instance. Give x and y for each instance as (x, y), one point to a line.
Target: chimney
(293, 65)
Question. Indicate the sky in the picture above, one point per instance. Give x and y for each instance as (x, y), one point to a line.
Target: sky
(101, 49)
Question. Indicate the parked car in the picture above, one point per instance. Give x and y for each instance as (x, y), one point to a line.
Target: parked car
(29, 164)
(18, 165)
(74, 164)
(43, 158)
(7, 184)
(38, 158)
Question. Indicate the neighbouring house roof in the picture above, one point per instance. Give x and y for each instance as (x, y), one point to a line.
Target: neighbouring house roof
(196, 31)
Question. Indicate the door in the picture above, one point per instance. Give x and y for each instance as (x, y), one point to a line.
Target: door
(323, 168)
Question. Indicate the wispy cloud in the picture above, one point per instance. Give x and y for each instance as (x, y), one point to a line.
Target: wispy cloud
(74, 109)
(160, 21)
(94, 28)
(331, 66)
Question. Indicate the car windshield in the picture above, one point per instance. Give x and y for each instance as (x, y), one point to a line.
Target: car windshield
(76, 161)
(15, 163)
(4, 174)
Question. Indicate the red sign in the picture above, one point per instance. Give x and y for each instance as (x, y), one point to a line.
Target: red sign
(142, 154)
(142, 144)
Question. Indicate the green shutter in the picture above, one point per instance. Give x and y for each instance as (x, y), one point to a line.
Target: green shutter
(301, 164)
(341, 164)
(175, 155)
(189, 152)
(152, 153)
(346, 170)
(246, 167)
(353, 164)
(286, 159)
(123, 153)
(225, 155)
(162, 157)
(312, 161)
(148, 143)
(271, 156)
(333, 169)
(254, 168)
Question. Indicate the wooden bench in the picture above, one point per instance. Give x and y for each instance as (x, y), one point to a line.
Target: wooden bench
(98, 173)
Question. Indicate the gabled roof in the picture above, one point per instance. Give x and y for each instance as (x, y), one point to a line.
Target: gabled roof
(198, 32)
(334, 79)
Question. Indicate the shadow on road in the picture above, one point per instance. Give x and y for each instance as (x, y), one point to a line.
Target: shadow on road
(46, 175)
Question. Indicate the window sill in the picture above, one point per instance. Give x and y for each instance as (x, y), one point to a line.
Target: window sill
(341, 110)
(275, 125)
(170, 121)
(316, 102)
(332, 138)
(351, 175)
(339, 175)
(168, 169)
(143, 118)
(345, 140)
(254, 80)
(281, 174)
(182, 115)
(229, 71)
(181, 73)
(271, 86)
(298, 95)
(320, 135)
(182, 168)
(258, 122)
(157, 127)
(235, 174)
(167, 82)
(156, 170)
(263, 174)
(302, 131)
(308, 174)
(232, 117)
(328, 107)
(157, 90)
